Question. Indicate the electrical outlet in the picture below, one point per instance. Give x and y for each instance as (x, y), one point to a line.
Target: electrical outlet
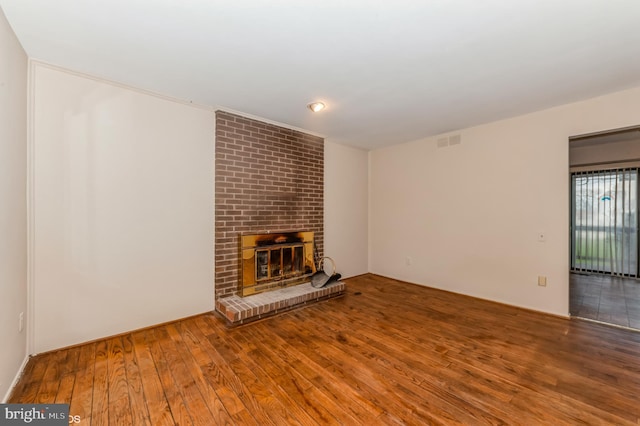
(21, 322)
(408, 261)
(542, 281)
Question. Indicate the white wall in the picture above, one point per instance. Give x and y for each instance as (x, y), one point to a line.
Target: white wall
(345, 208)
(123, 212)
(468, 215)
(607, 152)
(13, 203)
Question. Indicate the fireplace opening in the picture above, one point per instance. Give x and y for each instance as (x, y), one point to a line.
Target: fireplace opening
(275, 260)
(279, 262)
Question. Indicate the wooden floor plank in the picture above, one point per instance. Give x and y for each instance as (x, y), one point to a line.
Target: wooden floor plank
(154, 395)
(435, 368)
(82, 397)
(176, 403)
(438, 408)
(119, 405)
(68, 376)
(212, 329)
(183, 381)
(203, 403)
(100, 407)
(374, 384)
(214, 373)
(302, 374)
(266, 401)
(386, 353)
(51, 379)
(480, 396)
(304, 403)
(138, 404)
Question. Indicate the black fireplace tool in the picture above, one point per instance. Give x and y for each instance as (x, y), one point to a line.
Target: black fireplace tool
(320, 278)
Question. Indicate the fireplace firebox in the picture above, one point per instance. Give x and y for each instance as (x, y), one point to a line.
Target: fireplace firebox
(275, 260)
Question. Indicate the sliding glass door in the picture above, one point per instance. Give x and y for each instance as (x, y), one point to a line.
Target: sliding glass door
(604, 222)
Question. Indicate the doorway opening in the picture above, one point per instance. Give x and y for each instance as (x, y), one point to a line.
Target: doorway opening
(604, 226)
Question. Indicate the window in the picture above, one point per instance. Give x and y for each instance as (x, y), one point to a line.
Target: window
(604, 222)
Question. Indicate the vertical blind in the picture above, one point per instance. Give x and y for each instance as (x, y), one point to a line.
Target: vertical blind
(604, 222)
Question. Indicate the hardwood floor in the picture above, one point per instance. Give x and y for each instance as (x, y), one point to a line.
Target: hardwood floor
(386, 353)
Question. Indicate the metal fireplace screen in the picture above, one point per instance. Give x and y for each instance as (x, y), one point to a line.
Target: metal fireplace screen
(275, 260)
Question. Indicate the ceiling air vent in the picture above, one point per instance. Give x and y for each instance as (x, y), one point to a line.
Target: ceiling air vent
(442, 143)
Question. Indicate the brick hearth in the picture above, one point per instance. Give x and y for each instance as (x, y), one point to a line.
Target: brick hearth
(240, 310)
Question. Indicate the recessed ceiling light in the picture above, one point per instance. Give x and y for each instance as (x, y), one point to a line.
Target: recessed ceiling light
(316, 106)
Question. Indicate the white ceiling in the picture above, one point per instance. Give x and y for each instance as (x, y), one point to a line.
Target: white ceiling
(389, 71)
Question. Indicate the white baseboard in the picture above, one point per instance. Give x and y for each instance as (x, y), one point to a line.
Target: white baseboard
(15, 380)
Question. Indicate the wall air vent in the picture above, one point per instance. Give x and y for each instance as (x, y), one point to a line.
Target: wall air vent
(449, 141)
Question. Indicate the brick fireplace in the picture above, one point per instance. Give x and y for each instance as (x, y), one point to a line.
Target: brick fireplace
(269, 179)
